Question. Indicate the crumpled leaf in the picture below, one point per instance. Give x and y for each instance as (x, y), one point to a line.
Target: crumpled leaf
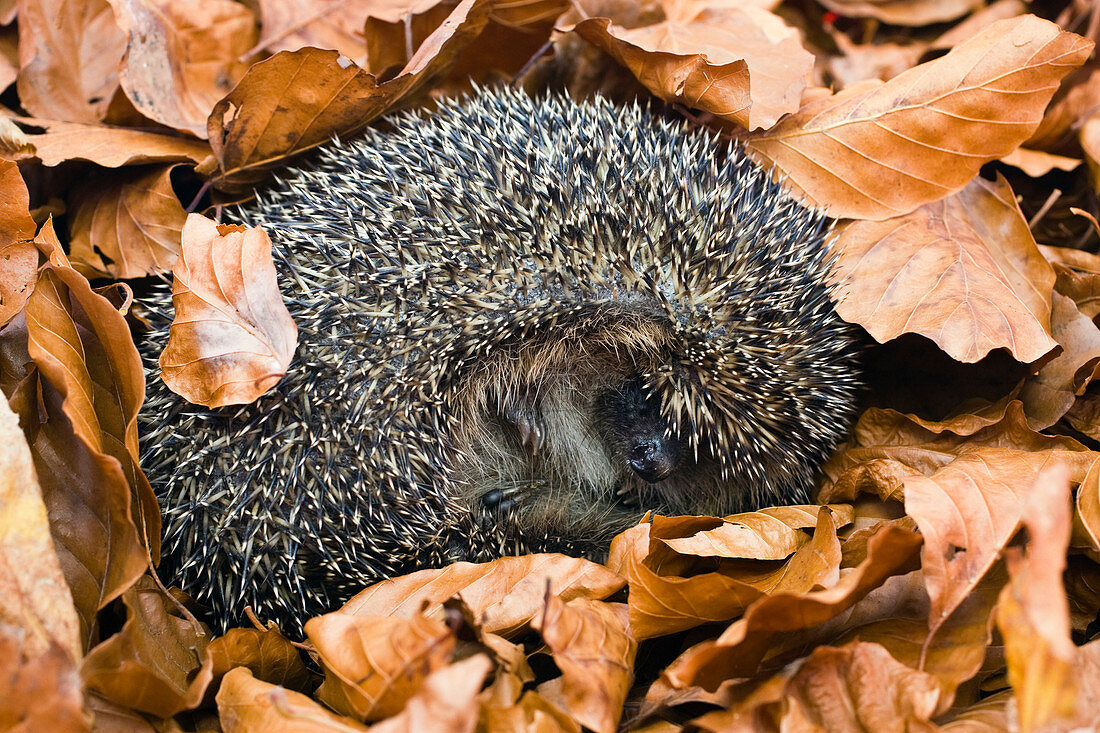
(272, 113)
(374, 664)
(503, 594)
(18, 255)
(739, 649)
(110, 147)
(246, 704)
(232, 337)
(126, 226)
(665, 601)
(964, 272)
(68, 57)
(182, 58)
(153, 663)
(881, 149)
(855, 687)
(740, 63)
(592, 646)
(1051, 392)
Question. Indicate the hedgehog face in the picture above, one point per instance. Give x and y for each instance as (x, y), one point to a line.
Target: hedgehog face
(637, 432)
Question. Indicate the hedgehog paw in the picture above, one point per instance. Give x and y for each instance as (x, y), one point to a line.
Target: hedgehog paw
(526, 418)
(499, 501)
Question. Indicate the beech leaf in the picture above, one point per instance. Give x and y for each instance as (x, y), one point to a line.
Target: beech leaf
(232, 337)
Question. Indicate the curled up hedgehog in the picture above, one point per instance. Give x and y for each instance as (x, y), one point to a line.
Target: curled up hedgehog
(522, 323)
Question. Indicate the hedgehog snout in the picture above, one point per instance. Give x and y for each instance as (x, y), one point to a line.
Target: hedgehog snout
(654, 459)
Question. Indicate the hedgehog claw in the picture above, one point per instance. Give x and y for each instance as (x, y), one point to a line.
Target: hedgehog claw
(528, 422)
(498, 501)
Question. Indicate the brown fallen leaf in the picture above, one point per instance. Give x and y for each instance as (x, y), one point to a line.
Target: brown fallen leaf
(125, 226)
(18, 255)
(375, 664)
(740, 63)
(157, 662)
(1078, 276)
(295, 101)
(1036, 163)
(1049, 394)
(288, 25)
(504, 594)
(903, 12)
(68, 58)
(592, 646)
(1076, 101)
(110, 147)
(1032, 613)
(855, 687)
(37, 601)
(447, 704)
(267, 654)
(232, 337)
(771, 533)
(181, 59)
(881, 149)
(964, 272)
(40, 690)
(246, 705)
(739, 649)
(665, 600)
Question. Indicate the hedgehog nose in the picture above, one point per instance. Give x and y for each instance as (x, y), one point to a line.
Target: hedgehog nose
(652, 460)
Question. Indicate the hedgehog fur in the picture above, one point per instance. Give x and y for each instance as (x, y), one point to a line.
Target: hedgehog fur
(521, 323)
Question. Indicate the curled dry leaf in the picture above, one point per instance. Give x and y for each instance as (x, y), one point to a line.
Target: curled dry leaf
(1033, 614)
(39, 690)
(1036, 163)
(153, 663)
(18, 255)
(448, 703)
(295, 101)
(503, 594)
(964, 272)
(665, 600)
(855, 687)
(740, 63)
(125, 226)
(374, 664)
(877, 150)
(232, 337)
(267, 654)
(181, 59)
(1078, 276)
(592, 646)
(968, 511)
(37, 600)
(110, 147)
(738, 651)
(1048, 394)
(903, 12)
(246, 705)
(772, 533)
(68, 58)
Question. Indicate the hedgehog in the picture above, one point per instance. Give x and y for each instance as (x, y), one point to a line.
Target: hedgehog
(523, 323)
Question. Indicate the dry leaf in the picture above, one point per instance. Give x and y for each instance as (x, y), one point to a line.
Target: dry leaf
(246, 705)
(152, 664)
(1048, 394)
(39, 690)
(288, 25)
(267, 654)
(447, 704)
(272, 113)
(877, 150)
(665, 600)
(1078, 277)
(182, 58)
(110, 147)
(964, 272)
(592, 646)
(903, 12)
(374, 664)
(772, 533)
(37, 600)
(1036, 163)
(18, 256)
(504, 594)
(125, 226)
(1032, 613)
(232, 337)
(740, 63)
(891, 549)
(68, 57)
